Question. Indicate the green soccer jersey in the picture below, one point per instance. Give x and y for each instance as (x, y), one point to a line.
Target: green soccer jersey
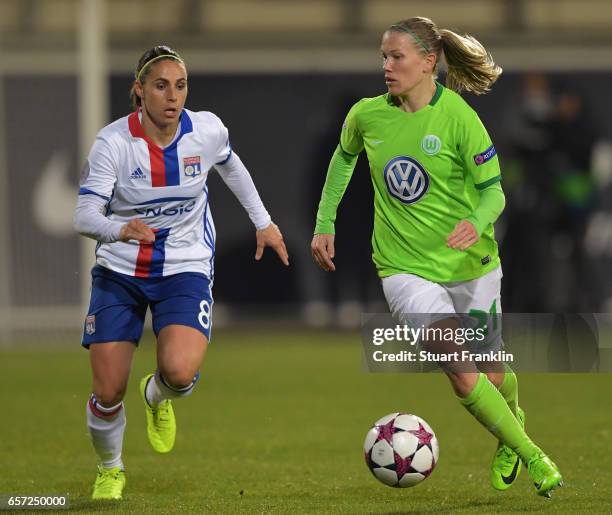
(426, 169)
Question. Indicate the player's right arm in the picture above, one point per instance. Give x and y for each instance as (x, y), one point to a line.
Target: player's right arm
(339, 174)
(95, 191)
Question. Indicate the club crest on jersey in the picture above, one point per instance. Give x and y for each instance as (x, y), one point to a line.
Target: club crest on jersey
(191, 166)
(90, 324)
(431, 144)
(406, 179)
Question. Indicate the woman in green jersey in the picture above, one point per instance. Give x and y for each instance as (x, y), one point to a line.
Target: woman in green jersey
(437, 193)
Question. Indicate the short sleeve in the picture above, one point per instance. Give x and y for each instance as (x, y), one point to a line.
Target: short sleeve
(351, 140)
(224, 149)
(99, 173)
(478, 153)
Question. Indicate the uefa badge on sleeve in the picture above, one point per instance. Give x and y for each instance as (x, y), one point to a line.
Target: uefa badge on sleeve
(90, 324)
(191, 166)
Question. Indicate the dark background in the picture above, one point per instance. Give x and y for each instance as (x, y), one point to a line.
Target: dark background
(554, 246)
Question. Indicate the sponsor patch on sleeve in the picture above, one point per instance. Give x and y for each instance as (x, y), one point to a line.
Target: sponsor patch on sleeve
(485, 156)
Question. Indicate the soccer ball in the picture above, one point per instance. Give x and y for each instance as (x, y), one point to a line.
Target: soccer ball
(401, 450)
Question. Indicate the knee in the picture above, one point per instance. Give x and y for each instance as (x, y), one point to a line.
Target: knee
(463, 382)
(178, 378)
(497, 378)
(108, 396)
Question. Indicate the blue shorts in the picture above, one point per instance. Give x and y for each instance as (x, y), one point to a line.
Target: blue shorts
(119, 304)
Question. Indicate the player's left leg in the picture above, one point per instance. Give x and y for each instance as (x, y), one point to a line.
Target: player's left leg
(180, 352)
(481, 298)
(182, 320)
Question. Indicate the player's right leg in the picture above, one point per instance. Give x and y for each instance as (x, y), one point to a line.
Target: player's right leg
(112, 330)
(110, 363)
(506, 465)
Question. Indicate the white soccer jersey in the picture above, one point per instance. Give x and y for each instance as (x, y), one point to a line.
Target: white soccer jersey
(165, 187)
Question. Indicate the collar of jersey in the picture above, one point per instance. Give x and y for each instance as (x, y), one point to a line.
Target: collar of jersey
(432, 102)
(137, 130)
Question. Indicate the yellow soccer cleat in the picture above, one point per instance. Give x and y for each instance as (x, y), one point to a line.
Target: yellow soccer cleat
(161, 424)
(544, 473)
(506, 465)
(109, 484)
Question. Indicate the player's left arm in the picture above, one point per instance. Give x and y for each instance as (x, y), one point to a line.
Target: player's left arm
(467, 232)
(239, 181)
(482, 163)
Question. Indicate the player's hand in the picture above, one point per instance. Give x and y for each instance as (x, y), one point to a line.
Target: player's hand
(464, 235)
(322, 247)
(137, 230)
(271, 237)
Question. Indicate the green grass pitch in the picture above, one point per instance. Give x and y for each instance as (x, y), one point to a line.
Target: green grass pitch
(277, 424)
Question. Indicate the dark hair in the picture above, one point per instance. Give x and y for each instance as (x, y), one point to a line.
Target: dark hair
(156, 53)
(470, 66)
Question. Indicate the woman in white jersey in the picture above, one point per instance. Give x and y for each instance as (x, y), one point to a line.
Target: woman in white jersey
(143, 197)
(437, 193)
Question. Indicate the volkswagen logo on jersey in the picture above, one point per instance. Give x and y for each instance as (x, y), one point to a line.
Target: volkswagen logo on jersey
(431, 144)
(406, 179)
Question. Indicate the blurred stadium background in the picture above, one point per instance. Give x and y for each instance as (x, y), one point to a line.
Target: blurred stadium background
(282, 74)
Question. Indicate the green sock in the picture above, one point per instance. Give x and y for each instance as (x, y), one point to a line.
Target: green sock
(490, 409)
(509, 389)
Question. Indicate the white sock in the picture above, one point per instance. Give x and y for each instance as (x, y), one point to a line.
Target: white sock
(152, 393)
(106, 428)
(158, 389)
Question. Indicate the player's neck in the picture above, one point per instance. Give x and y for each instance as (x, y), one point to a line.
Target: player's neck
(161, 135)
(418, 97)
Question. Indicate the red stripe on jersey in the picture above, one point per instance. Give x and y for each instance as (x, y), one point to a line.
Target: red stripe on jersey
(156, 154)
(135, 127)
(158, 166)
(143, 261)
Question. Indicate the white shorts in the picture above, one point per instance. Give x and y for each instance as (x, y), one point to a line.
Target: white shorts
(409, 295)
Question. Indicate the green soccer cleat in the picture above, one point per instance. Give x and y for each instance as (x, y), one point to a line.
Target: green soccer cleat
(161, 424)
(506, 465)
(545, 474)
(109, 484)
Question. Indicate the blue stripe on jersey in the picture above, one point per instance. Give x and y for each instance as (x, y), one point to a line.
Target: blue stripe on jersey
(171, 162)
(172, 166)
(85, 191)
(227, 158)
(159, 253)
(207, 228)
(107, 213)
(211, 238)
(186, 125)
(210, 241)
(163, 199)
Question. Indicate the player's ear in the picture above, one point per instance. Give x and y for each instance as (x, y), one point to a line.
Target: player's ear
(429, 63)
(138, 89)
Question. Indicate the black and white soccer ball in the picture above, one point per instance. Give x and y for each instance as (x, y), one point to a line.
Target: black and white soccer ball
(401, 450)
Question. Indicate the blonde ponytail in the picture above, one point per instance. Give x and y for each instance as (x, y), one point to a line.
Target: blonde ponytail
(470, 66)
